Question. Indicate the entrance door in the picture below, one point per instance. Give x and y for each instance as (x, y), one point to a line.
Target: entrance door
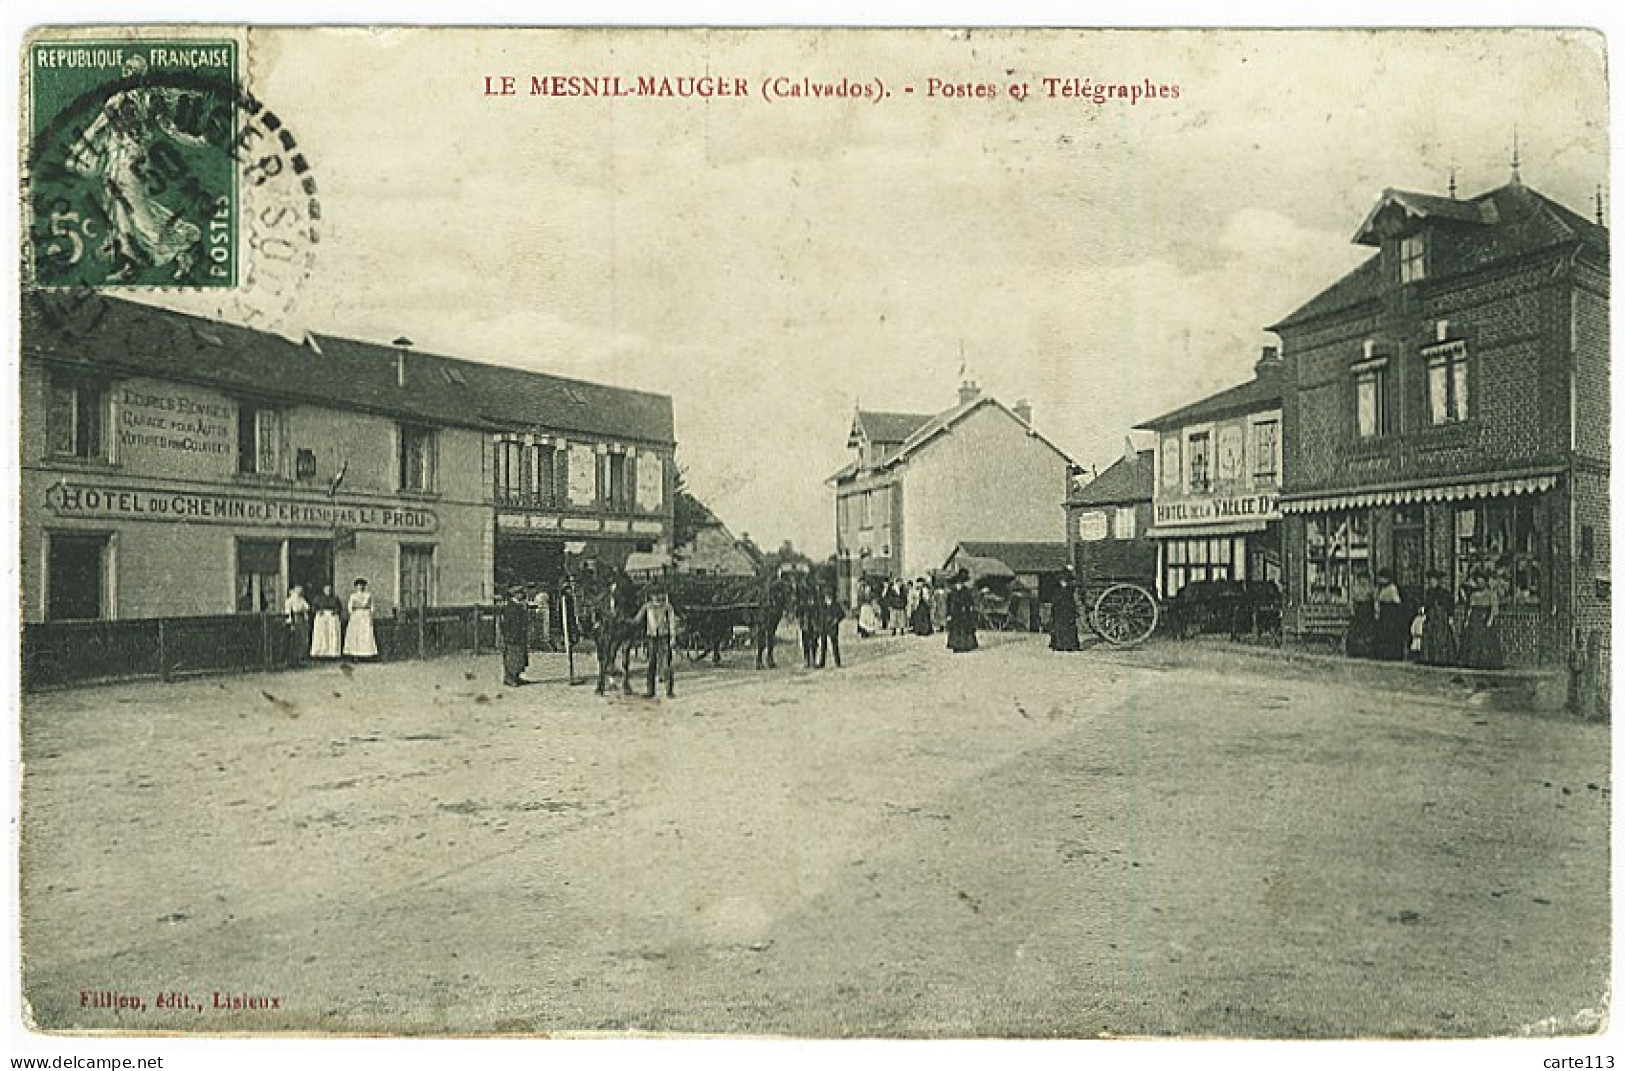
(530, 562)
(75, 574)
(1409, 553)
(310, 564)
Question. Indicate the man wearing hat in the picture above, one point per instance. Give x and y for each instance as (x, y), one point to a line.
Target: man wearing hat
(515, 623)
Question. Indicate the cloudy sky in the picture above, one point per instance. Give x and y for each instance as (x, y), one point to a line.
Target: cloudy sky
(773, 265)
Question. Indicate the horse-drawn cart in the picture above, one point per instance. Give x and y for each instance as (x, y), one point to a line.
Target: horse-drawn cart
(1121, 612)
(714, 613)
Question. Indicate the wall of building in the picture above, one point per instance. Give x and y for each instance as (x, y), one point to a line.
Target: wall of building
(1113, 557)
(715, 552)
(174, 507)
(1235, 493)
(987, 480)
(1511, 322)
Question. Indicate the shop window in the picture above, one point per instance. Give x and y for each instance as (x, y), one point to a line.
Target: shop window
(417, 458)
(508, 464)
(1337, 555)
(259, 576)
(1504, 543)
(1266, 450)
(76, 576)
(1413, 258)
(1447, 384)
(259, 439)
(1198, 457)
(417, 576)
(76, 420)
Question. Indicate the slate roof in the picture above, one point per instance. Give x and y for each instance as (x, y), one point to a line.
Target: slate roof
(1425, 205)
(1125, 480)
(1261, 392)
(945, 421)
(1031, 557)
(1503, 224)
(885, 428)
(134, 339)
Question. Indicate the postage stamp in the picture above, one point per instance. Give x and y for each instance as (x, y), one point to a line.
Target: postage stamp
(133, 181)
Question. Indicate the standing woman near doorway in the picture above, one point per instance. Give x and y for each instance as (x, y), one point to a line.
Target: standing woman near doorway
(359, 640)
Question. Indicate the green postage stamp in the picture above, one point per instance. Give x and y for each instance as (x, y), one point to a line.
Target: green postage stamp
(132, 169)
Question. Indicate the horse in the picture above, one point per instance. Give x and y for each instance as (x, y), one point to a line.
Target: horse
(809, 605)
(775, 595)
(615, 629)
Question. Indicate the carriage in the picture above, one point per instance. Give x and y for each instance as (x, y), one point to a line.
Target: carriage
(1125, 613)
(1121, 612)
(714, 613)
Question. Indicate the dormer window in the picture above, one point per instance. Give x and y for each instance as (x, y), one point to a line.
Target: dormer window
(1412, 258)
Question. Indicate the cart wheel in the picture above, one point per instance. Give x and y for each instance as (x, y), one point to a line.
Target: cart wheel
(1125, 614)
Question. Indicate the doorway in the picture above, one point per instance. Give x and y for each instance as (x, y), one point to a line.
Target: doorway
(310, 564)
(1409, 557)
(75, 575)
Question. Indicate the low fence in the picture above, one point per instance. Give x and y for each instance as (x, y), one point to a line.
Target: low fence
(59, 653)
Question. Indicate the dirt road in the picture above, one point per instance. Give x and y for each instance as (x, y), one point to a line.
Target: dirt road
(1173, 840)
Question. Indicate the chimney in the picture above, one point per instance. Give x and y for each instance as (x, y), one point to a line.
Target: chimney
(1024, 411)
(1269, 362)
(401, 345)
(968, 391)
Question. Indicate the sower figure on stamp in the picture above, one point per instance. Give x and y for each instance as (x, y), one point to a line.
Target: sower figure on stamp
(515, 622)
(660, 625)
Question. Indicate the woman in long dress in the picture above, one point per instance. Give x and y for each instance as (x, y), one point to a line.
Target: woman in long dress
(296, 612)
(324, 633)
(1481, 639)
(920, 616)
(1393, 620)
(1063, 621)
(1438, 634)
(961, 615)
(359, 641)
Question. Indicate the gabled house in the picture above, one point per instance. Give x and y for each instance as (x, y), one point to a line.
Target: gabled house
(918, 485)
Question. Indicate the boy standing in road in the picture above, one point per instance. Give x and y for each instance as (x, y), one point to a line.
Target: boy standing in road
(660, 625)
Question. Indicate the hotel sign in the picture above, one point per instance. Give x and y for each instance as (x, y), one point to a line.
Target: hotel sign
(115, 502)
(1258, 507)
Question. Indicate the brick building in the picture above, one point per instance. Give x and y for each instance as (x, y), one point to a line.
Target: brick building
(1215, 500)
(173, 466)
(1446, 407)
(1107, 519)
(919, 484)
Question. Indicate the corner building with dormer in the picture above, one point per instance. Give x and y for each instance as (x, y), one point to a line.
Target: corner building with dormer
(1446, 408)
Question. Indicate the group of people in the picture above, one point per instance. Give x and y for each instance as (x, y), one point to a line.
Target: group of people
(1389, 627)
(896, 608)
(323, 629)
(883, 607)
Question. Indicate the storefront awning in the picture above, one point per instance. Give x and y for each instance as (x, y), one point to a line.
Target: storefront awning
(1217, 528)
(1518, 485)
